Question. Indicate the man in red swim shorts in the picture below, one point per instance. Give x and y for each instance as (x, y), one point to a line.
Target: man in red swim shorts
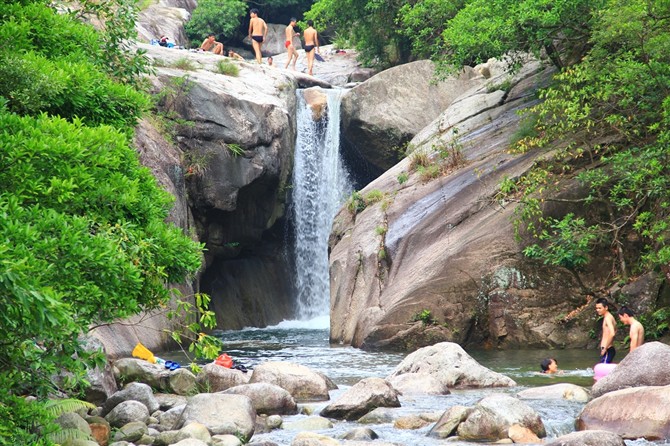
(292, 53)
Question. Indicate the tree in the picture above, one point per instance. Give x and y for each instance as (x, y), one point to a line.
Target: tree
(221, 17)
(83, 237)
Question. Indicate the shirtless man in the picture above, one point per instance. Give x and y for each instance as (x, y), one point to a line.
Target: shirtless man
(290, 34)
(311, 42)
(210, 44)
(627, 316)
(258, 31)
(607, 350)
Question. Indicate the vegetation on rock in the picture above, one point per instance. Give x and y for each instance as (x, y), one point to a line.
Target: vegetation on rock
(82, 223)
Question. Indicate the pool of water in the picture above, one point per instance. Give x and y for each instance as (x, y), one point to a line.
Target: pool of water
(307, 343)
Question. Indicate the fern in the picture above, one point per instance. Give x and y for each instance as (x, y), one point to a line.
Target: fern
(56, 408)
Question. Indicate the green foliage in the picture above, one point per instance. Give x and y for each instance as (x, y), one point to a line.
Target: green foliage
(371, 25)
(221, 17)
(228, 68)
(356, 203)
(235, 149)
(403, 177)
(202, 345)
(618, 94)
(655, 324)
(184, 63)
(567, 243)
(24, 422)
(374, 196)
(424, 316)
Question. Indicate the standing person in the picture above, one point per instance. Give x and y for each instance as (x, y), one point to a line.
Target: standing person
(258, 30)
(210, 44)
(627, 316)
(607, 350)
(311, 42)
(290, 34)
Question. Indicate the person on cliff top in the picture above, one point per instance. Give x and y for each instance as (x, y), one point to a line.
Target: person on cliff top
(210, 44)
(311, 44)
(292, 53)
(636, 334)
(258, 31)
(607, 350)
(233, 55)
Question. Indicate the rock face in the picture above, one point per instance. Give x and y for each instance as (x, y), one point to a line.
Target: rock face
(644, 366)
(450, 365)
(447, 246)
(387, 110)
(236, 136)
(641, 412)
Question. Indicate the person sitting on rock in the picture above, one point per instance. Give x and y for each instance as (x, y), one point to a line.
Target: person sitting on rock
(233, 55)
(210, 44)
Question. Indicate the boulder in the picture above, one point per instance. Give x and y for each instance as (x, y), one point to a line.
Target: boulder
(448, 423)
(386, 111)
(313, 439)
(588, 438)
(72, 420)
(379, 415)
(214, 378)
(301, 382)
(225, 440)
(131, 432)
(135, 391)
(638, 412)
(492, 417)
(221, 414)
(364, 396)
(267, 399)
(126, 412)
(100, 429)
(644, 366)
(418, 384)
(450, 365)
(169, 419)
(101, 379)
(133, 370)
(360, 434)
(196, 430)
(308, 424)
(158, 20)
(167, 401)
(565, 391)
(181, 382)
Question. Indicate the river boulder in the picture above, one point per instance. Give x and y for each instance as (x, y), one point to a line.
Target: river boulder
(215, 378)
(364, 396)
(132, 391)
(493, 416)
(303, 383)
(565, 391)
(267, 399)
(221, 414)
(644, 366)
(638, 412)
(126, 412)
(588, 438)
(450, 365)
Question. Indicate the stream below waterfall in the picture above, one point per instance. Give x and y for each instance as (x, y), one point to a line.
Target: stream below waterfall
(307, 343)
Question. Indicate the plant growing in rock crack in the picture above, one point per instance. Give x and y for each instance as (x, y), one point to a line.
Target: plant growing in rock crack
(184, 63)
(235, 149)
(228, 68)
(196, 164)
(169, 121)
(425, 316)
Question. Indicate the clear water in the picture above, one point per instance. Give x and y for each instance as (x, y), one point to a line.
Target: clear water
(307, 343)
(320, 186)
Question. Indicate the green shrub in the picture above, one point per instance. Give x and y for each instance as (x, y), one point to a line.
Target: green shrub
(356, 203)
(184, 63)
(403, 177)
(228, 68)
(374, 196)
(219, 16)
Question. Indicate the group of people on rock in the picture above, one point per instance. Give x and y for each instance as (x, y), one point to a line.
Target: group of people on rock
(258, 31)
(607, 350)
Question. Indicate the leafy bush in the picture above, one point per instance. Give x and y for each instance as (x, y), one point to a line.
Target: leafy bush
(221, 17)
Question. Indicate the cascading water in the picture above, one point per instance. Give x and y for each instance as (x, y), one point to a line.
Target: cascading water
(320, 186)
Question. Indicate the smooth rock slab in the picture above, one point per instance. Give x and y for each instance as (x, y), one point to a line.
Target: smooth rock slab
(363, 397)
(303, 383)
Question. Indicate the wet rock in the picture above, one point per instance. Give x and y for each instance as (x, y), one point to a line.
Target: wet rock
(644, 366)
(449, 421)
(410, 422)
(492, 417)
(588, 438)
(566, 391)
(267, 398)
(521, 434)
(360, 434)
(450, 365)
(638, 412)
(364, 396)
(301, 382)
(308, 424)
(378, 416)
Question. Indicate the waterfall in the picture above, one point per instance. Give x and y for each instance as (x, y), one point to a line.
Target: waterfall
(320, 186)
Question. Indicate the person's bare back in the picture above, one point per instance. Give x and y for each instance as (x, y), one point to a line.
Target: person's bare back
(258, 30)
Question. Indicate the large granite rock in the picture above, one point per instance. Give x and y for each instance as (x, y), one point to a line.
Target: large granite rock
(448, 247)
(644, 366)
(303, 383)
(363, 397)
(221, 414)
(639, 412)
(588, 438)
(383, 113)
(449, 364)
